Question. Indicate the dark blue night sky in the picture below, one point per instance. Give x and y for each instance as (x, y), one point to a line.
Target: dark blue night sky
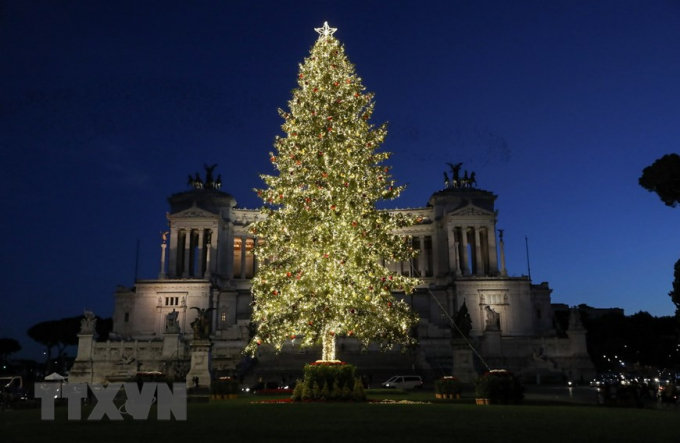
(105, 107)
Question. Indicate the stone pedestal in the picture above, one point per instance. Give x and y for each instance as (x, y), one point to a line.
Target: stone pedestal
(170, 346)
(85, 346)
(200, 363)
(82, 369)
(577, 342)
(581, 366)
(463, 364)
(492, 343)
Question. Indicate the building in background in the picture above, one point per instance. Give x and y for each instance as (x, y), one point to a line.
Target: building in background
(207, 263)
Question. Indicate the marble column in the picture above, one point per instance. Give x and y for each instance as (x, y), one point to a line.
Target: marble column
(200, 263)
(504, 272)
(464, 243)
(228, 242)
(187, 252)
(456, 252)
(173, 253)
(254, 256)
(208, 254)
(207, 260)
(493, 257)
(161, 274)
(435, 252)
(243, 257)
(422, 259)
(479, 262)
(453, 254)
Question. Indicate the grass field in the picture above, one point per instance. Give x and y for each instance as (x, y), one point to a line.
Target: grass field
(241, 420)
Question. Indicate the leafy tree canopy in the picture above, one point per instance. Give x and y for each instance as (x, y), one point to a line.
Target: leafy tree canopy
(635, 339)
(8, 346)
(663, 177)
(675, 293)
(56, 333)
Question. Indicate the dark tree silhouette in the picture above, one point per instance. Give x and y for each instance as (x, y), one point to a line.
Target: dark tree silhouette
(663, 177)
(8, 346)
(56, 333)
(636, 339)
(104, 327)
(675, 293)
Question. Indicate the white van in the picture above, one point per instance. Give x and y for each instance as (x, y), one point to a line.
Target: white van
(406, 382)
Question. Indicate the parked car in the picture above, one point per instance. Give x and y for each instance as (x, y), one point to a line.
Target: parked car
(406, 382)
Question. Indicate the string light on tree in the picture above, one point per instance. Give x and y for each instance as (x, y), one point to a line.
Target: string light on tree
(321, 273)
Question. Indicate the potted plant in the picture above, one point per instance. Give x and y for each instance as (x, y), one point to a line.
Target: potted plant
(448, 387)
(484, 389)
(439, 388)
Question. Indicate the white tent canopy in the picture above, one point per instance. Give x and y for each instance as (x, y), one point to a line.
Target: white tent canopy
(55, 377)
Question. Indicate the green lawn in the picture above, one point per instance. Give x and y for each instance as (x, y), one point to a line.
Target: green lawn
(241, 420)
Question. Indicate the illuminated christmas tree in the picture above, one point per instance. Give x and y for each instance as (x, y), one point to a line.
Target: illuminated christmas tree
(322, 272)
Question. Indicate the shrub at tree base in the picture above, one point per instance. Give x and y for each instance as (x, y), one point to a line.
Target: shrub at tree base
(499, 386)
(334, 381)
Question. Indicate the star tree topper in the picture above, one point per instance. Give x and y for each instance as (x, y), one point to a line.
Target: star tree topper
(326, 31)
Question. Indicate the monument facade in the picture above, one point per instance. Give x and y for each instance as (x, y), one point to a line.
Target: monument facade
(200, 301)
